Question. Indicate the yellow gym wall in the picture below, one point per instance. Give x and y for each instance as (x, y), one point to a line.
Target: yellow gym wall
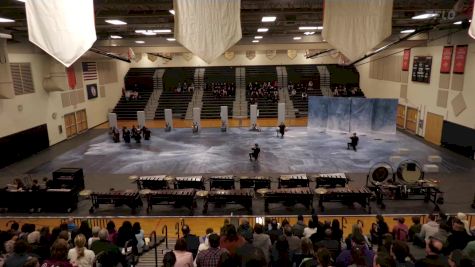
(38, 107)
(423, 96)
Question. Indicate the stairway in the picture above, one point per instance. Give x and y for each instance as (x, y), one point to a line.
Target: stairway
(152, 104)
(148, 258)
(324, 80)
(283, 92)
(198, 78)
(240, 103)
(196, 102)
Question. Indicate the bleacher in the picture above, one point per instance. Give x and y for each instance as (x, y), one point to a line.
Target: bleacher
(343, 75)
(177, 102)
(261, 74)
(143, 78)
(303, 74)
(212, 105)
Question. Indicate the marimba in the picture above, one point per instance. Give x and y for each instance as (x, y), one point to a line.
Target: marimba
(175, 197)
(221, 182)
(152, 182)
(288, 196)
(331, 180)
(346, 195)
(256, 182)
(57, 200)
(233, 196)
(117, 198)
(293, 180)
(196, 182)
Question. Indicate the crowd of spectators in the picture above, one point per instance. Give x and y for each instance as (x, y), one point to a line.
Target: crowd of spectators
(446, 240)
(343, 91)
(185, 87)
(221, 89)
(299, 89)
(266, 90)
(69, 245)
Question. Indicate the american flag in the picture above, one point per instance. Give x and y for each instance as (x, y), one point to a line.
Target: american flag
(89, 70)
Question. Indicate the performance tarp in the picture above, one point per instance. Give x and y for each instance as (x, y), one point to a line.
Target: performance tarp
(207, 27)
(355, 27)
(64, 29)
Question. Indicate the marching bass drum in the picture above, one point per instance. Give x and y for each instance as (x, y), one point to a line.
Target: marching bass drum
(410, 172)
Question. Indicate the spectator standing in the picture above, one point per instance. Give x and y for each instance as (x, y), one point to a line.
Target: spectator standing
(400, 230)
(245, 230)
(331, 244)
(183, 257)
(140, 236)
(231, 241)
(262, 241)
(310, 230)
(213, 256)
(192, 241)
(274, 231)
(382, 228)
(297, 229)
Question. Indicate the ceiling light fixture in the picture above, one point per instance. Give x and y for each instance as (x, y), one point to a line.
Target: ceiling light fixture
(115, 22)
(23, 1)
(262, 30)
(268, 19)
(140, 42)
(255, 41)
(5, 20)
(258, 37)
(297, 38)
(426, 16)
(171, 39)
(408, 31)
(162, 31)
(172, 12)
(116, 37)
(458, 22)
(309, 33)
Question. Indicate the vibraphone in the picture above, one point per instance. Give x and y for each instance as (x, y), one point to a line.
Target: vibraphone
(152, 182)
(331, 180)
(196, 182)
(345, 195)
(234, 196)
(256, 182)
(117, 198)
(289, 197)
(293, 180)
(221, 182)
(176, 197)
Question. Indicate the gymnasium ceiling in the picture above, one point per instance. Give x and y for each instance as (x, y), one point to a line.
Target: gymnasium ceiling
(154, 14)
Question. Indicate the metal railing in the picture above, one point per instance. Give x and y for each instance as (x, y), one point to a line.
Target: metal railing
(153, 235)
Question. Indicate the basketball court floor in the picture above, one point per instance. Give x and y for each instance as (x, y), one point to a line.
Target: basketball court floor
(180, 152)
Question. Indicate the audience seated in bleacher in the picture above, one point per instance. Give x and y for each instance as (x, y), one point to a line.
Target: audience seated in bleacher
(265, 91)
(343, 91)
(182, 88)
(221, 89)
(447, 242)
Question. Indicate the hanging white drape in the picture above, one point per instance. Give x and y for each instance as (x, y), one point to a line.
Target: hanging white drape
(207, 28)
(355, 27)
(64, 29)
(471, 30)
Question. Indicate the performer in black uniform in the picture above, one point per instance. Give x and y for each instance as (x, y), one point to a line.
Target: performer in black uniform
(146, 133)
(255, 152)
(354, 142)
(282, 130)
(126, 135)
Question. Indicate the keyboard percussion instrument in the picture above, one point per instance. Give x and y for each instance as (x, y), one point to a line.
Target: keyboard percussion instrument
(294, 180)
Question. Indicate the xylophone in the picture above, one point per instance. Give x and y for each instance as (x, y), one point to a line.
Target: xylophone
(288, 196)
(58, 200)
(331, 180)
(256, 182)
(293, 180)
(176, 197)
(221, 182)
(196, 182)
(117, 198)
(153, 182)
(233, 196)
(345, 195)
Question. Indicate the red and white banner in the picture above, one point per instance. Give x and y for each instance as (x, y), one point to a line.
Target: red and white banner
(406, 57)
(446, 62)
(460, 57)
(71, 77)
